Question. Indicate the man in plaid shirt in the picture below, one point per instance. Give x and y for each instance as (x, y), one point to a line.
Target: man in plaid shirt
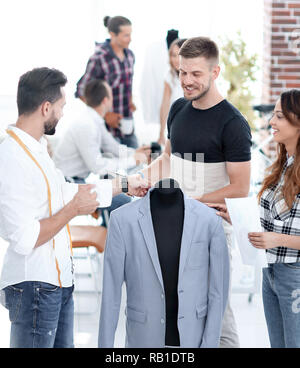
(113, 62)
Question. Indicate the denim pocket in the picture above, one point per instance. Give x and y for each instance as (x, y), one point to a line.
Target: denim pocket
(44, 286)
(295, 265)
(69, 295)
(48, 300)
(12, 301)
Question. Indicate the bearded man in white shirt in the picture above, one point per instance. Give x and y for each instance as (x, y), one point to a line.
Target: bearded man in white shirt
(88, 147)
(36, 205)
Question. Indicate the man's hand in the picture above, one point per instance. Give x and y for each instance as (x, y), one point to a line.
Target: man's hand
(222, 211)
(142, 155)
(137, 186)
(113, 119)
(265, 240)
(132, 107)
(162, 139)
(84, 201)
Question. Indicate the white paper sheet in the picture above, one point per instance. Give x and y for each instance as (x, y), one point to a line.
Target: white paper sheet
(245, 218)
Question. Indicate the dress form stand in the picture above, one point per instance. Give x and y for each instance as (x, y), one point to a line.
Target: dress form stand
(167, 211)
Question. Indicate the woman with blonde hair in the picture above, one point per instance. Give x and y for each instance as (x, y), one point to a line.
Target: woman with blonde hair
(172, 87)
(279, 200)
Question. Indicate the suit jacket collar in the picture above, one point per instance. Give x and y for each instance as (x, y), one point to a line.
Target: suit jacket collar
(146, 225)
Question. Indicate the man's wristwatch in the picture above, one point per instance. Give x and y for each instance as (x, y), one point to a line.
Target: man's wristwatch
(124, 184)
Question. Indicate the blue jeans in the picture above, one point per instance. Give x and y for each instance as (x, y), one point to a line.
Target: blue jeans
(129, 140)
(281, 299)
(41, 315)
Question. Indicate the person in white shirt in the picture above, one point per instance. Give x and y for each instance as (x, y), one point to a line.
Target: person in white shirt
(172, 87)
(36, 205)
(88, 147)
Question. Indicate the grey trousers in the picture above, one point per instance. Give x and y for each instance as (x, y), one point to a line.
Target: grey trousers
(229, 336)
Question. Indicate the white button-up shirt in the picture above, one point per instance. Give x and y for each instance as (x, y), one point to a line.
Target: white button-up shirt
(24, 202)
(79, 151)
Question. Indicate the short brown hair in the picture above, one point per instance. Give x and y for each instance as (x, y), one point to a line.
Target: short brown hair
(200, 47)
(37, 86)
(95, 92)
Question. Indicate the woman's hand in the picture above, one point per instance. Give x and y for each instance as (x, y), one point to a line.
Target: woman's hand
(265, 240)
(222, 211)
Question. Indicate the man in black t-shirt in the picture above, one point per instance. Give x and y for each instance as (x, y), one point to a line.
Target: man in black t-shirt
(221, 133)
(208, 147)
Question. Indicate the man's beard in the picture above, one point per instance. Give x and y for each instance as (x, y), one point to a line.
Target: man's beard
(203, 93)
(198, 97)
(50, 126)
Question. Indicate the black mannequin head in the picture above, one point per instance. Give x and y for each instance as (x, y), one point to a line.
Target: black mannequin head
(167, 186)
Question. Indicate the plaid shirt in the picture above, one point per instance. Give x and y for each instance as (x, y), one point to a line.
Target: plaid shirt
(104, 64)
(276, 217)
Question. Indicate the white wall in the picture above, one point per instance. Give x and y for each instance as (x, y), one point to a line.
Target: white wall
(61, 33)
(54, 33)
(34, 33)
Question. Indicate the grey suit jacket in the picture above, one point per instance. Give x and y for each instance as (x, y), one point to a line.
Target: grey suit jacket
(203, 281)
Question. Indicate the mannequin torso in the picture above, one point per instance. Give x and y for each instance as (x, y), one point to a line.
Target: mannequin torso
(167, 211)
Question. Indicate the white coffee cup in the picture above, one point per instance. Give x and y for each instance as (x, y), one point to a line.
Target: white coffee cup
(126, 125)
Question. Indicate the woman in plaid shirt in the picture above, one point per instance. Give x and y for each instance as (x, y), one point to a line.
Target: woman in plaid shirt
(280, 218)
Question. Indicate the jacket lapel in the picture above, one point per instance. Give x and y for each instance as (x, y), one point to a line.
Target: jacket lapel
(145, 221)
(146, 225)
(190, 218)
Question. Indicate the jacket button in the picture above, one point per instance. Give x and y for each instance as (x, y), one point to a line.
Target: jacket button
(162, 321)
(162, 296)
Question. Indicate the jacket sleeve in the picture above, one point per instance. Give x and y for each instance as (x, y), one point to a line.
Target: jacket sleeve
(113, 277)
(219, 273)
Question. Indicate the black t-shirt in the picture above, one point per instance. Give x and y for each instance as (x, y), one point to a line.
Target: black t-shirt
(221, 132)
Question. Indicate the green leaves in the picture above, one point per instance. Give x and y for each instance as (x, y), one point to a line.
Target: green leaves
(239, 70)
